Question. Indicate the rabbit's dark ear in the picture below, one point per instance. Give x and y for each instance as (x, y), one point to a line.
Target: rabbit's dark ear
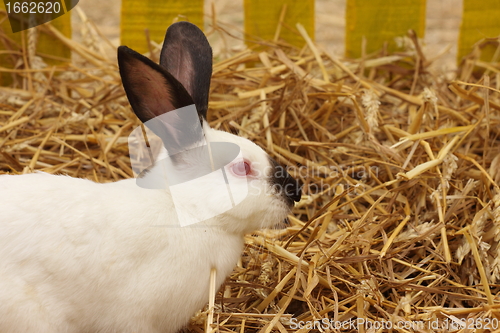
(153, 93)
(187, 55)
(151, 90)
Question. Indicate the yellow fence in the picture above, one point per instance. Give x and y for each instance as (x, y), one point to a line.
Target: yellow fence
(375, 21)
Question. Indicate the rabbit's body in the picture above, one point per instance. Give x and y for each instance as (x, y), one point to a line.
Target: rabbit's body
(82, 257)
(86, 266)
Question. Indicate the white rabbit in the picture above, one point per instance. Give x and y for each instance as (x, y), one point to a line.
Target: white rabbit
(78, 256)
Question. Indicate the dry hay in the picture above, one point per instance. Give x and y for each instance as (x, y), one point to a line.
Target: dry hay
(399, 218)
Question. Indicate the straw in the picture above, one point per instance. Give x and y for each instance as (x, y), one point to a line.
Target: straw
(397, 222)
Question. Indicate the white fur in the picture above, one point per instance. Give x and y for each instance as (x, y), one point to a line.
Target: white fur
(81, 257)
(77, 256)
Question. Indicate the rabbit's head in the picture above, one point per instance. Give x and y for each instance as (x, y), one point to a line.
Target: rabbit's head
(261, 191)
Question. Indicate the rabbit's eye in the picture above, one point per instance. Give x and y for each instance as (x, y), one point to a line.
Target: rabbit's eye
(241, 168)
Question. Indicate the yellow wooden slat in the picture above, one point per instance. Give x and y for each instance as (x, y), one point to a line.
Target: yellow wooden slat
(156, 16)
(481, 19)
(46, 44)
(380, 21)
(262, 18)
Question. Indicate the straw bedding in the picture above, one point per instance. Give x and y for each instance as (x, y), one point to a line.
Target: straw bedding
(400, 215)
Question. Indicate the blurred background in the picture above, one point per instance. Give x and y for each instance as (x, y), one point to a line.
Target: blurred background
(441, 34)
